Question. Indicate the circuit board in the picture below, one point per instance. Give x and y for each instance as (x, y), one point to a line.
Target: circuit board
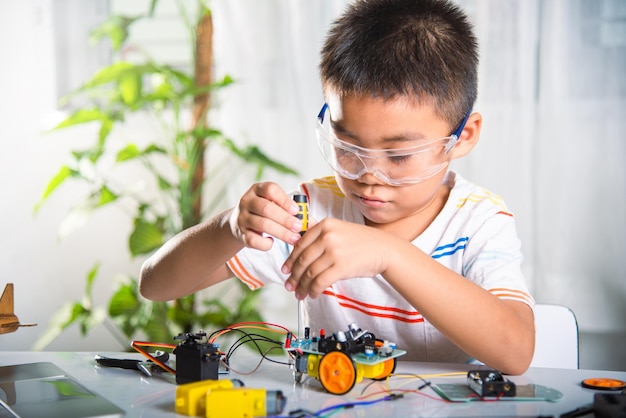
(359, 358)
(459, 392)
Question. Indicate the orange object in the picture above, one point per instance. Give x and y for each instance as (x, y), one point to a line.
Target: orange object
(603, 383)
(337, 372)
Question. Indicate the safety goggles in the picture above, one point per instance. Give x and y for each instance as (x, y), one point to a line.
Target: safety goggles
(395, 167)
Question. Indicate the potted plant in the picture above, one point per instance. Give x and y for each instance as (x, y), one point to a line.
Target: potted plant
(176, 164)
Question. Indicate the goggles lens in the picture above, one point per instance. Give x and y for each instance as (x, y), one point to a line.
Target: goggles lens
(395, 167)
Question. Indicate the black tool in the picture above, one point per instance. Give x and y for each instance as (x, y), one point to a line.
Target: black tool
(146, 367)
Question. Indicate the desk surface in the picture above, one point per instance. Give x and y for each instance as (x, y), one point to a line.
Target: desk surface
(142, 396)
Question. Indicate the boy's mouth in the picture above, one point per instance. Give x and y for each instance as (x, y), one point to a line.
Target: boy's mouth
(371, 201)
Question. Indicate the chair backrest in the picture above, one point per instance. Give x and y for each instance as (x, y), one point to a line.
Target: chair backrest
(556, 337)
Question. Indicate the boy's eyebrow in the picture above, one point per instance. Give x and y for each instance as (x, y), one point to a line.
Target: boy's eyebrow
(407, 137)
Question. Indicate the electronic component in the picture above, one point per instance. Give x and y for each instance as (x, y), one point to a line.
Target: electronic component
(244, 403)
(190, 397)
(196, 360)
(227, 399)
(343, 359)
(490, 383)
(461, 392)
(609, 405)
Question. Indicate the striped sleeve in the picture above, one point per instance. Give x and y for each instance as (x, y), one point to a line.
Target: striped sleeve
(242, 274)
(257, 268)
(513, 294)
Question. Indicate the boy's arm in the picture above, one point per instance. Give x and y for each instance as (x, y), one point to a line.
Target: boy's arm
(496, 331)
(190, 261)
(196, 258)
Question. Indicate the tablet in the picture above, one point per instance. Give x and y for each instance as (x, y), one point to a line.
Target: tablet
(45, 390)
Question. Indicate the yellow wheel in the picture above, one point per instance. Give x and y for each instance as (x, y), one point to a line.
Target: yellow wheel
(389, 365)
(337, 373)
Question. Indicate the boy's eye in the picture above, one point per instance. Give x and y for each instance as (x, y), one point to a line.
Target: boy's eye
(341, 152)
(399, 159)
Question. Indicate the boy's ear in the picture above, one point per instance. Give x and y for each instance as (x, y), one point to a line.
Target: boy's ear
(469, 136)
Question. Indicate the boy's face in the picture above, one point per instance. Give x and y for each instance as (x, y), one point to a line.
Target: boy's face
(376, 124)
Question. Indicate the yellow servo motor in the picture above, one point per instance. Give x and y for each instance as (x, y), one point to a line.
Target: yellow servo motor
(227, 399)
(191, 397)
(243, 403)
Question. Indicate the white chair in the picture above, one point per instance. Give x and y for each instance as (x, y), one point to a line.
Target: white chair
(556, 337)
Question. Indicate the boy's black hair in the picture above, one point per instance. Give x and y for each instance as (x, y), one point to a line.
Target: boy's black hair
(425, 49)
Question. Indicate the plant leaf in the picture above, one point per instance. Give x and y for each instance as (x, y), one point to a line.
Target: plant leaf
(164, 184)
(131, 151)
(153, 4)
(106, 124)
(91, 320)
(109, 74)
(158, 327)
(115, 28)
(91, 277)
(82, 116)
(59, 178)
(145, 237)
(106, 196)
(126, 309)
(130, 87)
(225, 82)
(124, 301)
(253, 155)
(61, 320)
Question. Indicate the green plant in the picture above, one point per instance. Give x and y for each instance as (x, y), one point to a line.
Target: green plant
(176, 163)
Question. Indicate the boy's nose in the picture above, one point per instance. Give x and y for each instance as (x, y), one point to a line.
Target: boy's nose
(370, 177)
(368, 173)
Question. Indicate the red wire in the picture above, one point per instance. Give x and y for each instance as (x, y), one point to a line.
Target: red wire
(246, 324)
(259, 323)
(138, 344)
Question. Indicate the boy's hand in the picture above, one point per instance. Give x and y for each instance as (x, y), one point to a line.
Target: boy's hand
(333, 250)
(263, 212)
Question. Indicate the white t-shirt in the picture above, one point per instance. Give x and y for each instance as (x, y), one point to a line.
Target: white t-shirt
(474, 235)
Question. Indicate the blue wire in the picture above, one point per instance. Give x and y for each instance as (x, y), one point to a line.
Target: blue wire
(302, 413)
(352, 405)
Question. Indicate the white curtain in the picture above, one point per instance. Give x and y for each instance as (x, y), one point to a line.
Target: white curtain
(552, 92)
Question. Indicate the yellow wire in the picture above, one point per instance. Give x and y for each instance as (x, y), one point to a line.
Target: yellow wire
(428, 376)
(224, 331)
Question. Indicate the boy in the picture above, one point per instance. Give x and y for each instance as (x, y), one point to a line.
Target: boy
(402, 246)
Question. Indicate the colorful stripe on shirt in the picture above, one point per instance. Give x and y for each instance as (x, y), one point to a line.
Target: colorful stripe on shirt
(513, 294)
(329, 183)
(375, 310)
(449, 249)
(244, 275)
(477, 197)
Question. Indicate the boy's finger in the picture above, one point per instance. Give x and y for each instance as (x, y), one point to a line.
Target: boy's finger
(274, 193)
(258, 242)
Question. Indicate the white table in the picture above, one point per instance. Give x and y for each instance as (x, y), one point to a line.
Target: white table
(153, 397)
